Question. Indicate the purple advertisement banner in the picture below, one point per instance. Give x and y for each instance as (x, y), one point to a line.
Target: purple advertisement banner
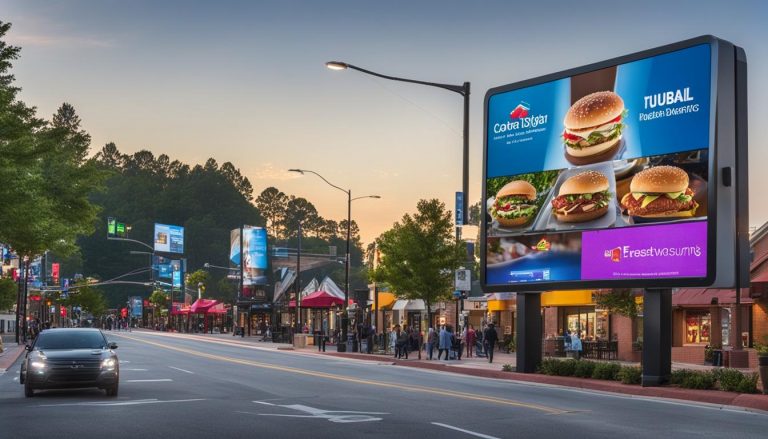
(670, 250)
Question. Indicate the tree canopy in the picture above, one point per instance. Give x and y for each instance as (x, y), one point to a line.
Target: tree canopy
(419, 254)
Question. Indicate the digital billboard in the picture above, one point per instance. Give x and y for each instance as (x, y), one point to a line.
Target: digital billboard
(603, 176)
(254, 255)
(169, 239)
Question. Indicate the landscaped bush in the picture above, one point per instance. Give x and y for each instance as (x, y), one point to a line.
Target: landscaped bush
(729, 379)
(549, 366)
(584, 369)
(630, 375)
(678, 376)
(698, 380)
(507, 368)
(567, 367)
(748, 384)
(606, 371)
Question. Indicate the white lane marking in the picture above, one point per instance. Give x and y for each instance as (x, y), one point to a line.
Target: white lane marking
(110, 404)
(183, 370)
(149, 381)
(15, 378)
(472, 433)
(123, 361)
(263, 402)
(135, 370)
(337, 416)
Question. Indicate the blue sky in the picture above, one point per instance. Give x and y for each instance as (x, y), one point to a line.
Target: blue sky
(245, 81)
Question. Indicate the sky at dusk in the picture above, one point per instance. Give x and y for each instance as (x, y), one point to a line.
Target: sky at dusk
(245, 81)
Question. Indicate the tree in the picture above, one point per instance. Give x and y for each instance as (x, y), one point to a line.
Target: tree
(199, 280)
(617, 301)
(272, 204)
(90, 299)
(419, 254)
(158, 299)
(8, 289)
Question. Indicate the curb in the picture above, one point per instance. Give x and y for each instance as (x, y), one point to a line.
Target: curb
(10, 356)
(718, 397)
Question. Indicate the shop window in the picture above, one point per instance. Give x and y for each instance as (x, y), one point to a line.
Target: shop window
(697, 327)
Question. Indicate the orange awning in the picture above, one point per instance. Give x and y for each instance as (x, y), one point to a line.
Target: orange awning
(386, 300)
(567, 298)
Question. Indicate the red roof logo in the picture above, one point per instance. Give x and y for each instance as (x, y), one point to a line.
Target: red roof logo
(520, 111)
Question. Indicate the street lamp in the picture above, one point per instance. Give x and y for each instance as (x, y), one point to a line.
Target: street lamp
(349, 232)
(463, 90)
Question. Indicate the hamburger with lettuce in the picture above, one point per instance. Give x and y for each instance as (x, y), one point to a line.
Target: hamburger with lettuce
(582, 197)
(660, 192)
(593, 127)
(515, 204)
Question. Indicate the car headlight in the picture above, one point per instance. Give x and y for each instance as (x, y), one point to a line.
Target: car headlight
(37, 365)
(108, 364)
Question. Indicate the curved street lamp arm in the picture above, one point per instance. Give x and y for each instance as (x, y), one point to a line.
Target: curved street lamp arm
(460, 89)
(365, 196)
(346, 191)
(133, 240)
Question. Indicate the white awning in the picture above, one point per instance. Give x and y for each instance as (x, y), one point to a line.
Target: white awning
(409, 305)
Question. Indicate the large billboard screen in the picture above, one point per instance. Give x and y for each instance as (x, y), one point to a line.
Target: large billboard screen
(254, 256)
(169, 239)
(601, 177)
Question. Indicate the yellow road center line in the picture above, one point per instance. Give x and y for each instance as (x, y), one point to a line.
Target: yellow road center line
(409, 388)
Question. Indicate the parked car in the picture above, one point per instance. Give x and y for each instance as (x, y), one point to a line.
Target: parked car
(70, 358)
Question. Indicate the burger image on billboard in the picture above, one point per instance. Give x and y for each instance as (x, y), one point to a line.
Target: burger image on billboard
(514, 205)
(660, 192)
(582, 197)
(593, 127)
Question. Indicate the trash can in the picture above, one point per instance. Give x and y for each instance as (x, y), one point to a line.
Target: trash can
(717, 358)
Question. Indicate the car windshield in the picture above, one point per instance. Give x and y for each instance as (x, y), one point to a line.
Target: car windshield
(70, 340)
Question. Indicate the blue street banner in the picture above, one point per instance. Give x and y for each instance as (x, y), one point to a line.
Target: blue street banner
(459, 209)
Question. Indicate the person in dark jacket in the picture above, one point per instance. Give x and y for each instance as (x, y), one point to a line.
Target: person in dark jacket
(491, 337)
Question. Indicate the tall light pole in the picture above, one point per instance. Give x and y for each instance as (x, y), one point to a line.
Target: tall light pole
(463, 90)
(349, 237)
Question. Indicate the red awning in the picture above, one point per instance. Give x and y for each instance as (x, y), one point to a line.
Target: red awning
(319, 299)
(202, 305)
(704, 297)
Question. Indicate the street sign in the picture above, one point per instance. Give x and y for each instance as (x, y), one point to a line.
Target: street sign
(463, 280)
(111, 227)
(459, 208)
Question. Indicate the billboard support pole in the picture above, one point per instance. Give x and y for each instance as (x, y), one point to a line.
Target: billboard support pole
(657, 336)
(528, 326)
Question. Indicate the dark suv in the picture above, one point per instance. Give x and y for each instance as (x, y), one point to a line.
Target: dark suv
(70, 358)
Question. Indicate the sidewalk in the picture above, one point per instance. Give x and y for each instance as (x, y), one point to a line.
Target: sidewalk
(10, 355)
(479, 367)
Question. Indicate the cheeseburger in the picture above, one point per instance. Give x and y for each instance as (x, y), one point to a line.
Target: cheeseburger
(661, 191)
(514, 205)
(583, 197)
(593, 128)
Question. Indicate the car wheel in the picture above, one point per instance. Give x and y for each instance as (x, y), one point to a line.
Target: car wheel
(28, 390)
(112, 390)
(21, 377)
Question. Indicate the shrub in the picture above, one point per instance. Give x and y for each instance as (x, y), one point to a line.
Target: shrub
(748, 384)
(678, 376)
(729, 379)
(507, 368)
(549, 366)
(698, 380)
(567, 367)
(584, 369)
(630, 375)
(606, 371)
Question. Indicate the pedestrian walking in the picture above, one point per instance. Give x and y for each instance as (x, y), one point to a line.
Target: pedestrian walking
(491, 337)
(431, 342)
(393, 336)
(576, 345)
(469, 339)
(444, 343)
(403, 340)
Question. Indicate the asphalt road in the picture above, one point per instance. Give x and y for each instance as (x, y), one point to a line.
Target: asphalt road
(177, 386)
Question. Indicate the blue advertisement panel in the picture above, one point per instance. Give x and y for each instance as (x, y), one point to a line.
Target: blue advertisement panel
(168, 238)
(625, 147)
(136, 305)
(255, 255)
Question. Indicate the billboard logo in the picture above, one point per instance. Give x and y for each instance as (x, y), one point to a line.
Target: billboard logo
(520, 111)
(614, 254)
(543, 245)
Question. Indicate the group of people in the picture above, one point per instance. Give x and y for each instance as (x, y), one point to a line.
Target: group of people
(445, 340)
(573, 344)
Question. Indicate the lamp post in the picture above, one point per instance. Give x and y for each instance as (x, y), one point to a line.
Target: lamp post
(349, 233)
(463, 90)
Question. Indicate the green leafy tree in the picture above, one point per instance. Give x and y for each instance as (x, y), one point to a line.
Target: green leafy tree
(419, 254)
(617, 301)
(272, 204)
(90, 299)
(199, 280)
(158, 299)
(8, 289)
